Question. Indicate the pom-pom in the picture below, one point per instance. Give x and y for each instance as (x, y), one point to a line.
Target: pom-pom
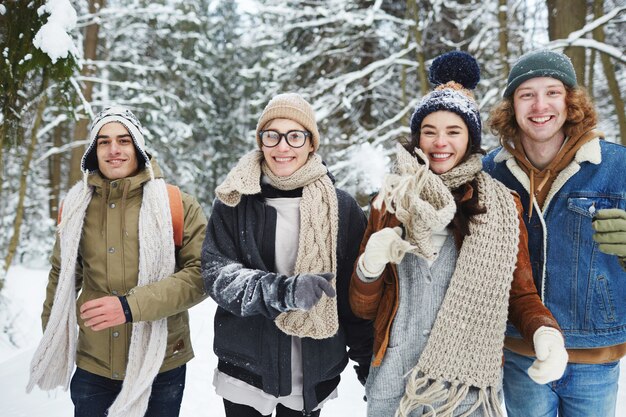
(456, 66)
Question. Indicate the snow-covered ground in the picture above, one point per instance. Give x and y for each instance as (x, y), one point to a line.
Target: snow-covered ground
(24, 293)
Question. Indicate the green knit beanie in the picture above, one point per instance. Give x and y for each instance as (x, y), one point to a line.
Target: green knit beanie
(543, 63)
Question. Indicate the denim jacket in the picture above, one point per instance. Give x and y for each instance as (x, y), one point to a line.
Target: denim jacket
(584, 288)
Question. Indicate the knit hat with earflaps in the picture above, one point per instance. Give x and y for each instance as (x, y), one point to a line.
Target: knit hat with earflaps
(542, 63)
(290, 106)
(453, 75)
(89, 162)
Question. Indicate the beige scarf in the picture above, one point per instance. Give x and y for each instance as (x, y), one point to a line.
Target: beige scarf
(53, 361)
(317, 245)
(465, 346)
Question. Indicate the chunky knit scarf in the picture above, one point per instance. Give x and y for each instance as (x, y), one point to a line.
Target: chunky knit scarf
(418, 198)
(53, 361)
(465, 346)
(317, 244)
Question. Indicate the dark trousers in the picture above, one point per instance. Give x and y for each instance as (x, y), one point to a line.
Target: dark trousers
(240, 410)
(92, 394)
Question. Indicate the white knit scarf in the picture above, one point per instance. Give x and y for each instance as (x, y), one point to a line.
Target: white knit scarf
(465, 345)
(53, 361)
(317, 244)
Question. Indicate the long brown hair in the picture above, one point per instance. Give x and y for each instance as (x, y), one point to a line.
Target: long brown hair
(581, 115)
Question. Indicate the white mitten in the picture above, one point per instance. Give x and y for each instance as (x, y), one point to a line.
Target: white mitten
(383, 247)
(551, 356)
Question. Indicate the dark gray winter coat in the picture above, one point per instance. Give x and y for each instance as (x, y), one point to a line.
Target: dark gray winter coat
(237, 265)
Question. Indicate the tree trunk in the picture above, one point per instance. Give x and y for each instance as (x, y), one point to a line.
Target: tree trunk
(503, 37)
(90, 52)
(366, 118)
(420, 57)
(19, 211)
(609, 72)
(403, 85)
(590, 68)
(565, 17)
(54, 173)
(2, 130)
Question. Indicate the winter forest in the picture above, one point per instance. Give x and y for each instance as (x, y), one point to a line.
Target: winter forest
(198, 73)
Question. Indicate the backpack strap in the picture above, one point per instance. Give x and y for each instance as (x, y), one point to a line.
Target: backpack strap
(60, 213)
(178, 217)
(176, 208)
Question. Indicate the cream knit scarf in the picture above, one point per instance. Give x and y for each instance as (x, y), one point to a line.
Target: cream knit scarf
(53, 361)
(465, 346)
(317, 245)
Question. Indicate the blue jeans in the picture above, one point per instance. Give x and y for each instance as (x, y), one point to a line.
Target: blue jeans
(583, 390)
(93, 394)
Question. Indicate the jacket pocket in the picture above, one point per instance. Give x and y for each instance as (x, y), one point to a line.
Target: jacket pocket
(587, 205)
(238, 339)
(177, 335)
(387, 380)
(604, 299)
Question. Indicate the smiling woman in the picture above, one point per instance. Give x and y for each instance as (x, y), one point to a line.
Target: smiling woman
(277, 259)
(284, 157)
(444, 139)
(448, 239)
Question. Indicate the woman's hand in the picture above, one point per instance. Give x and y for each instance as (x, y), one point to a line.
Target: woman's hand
(383, 247)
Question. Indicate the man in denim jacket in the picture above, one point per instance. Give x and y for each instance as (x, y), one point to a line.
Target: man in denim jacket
(573, 189)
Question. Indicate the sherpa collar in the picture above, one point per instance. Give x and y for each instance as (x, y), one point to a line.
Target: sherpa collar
(590, 152)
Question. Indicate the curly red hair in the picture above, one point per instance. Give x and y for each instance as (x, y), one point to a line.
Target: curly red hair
(581, 115)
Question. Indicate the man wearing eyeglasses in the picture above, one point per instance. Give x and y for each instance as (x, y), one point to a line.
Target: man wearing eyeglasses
(129, 245)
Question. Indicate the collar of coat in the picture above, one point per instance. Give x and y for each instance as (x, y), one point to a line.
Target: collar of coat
(590, 152)
(95, 179)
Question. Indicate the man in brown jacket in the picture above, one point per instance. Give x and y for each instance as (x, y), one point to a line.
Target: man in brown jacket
(129, 245)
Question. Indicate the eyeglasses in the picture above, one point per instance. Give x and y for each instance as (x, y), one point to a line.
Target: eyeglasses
(294, 138)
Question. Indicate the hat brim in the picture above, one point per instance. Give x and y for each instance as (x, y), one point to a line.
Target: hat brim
(552, 73)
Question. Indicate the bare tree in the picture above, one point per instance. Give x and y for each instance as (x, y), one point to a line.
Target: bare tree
(90, 47)
(503, 36)
(609, 72)
(565, 17)
(26, 165)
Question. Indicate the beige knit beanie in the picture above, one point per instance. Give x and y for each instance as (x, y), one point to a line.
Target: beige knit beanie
(293, 107)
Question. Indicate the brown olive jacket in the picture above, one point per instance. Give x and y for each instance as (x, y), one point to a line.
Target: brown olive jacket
(378, 300)
(108, 264)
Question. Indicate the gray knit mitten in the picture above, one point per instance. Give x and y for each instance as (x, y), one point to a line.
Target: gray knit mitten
(307, 290)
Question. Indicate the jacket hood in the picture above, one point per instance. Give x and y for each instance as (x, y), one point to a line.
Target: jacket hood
(119, 114)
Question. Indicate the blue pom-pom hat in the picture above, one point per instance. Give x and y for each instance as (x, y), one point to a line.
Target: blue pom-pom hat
(453, 75)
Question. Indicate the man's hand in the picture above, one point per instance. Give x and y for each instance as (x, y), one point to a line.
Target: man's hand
(102, 313)
(610, 227)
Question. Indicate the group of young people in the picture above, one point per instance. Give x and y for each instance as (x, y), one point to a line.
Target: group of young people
(475, 277)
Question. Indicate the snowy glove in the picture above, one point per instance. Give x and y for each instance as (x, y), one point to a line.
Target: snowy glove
(610, 227)
(383, 247)
(309, 288)
(551, 356)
